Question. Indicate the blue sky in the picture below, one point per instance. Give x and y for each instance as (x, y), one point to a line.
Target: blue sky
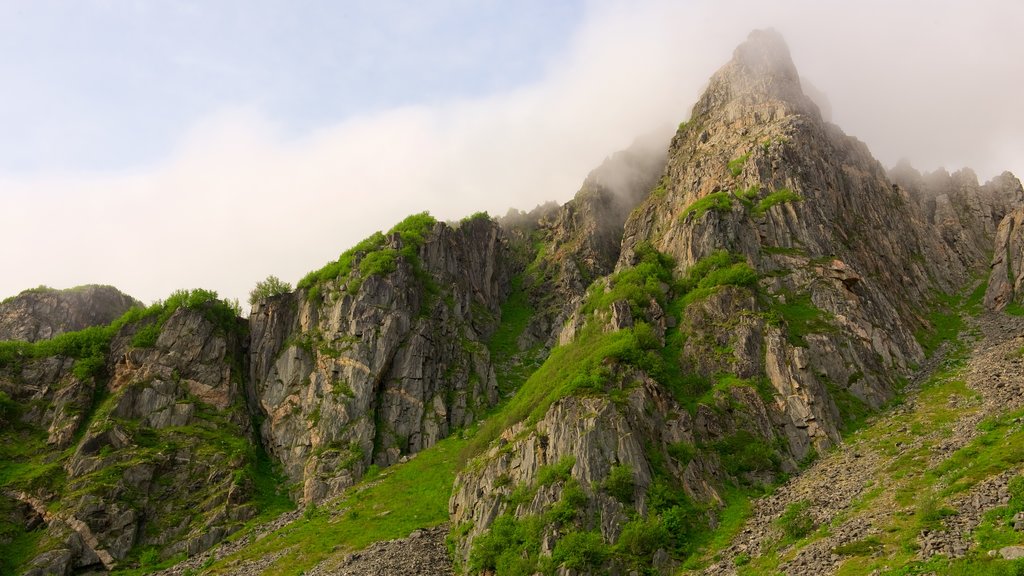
(107, 85)
(158, 145)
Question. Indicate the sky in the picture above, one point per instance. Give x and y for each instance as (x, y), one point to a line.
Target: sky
(157, 145)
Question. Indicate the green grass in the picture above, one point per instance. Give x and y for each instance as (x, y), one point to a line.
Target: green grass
(730, 518)
(717, 201)
(1014, 309)
(796, 521)
(801, 318)
(736, 165)
(386, 506)
(782, 196)
(371, 256)
(945, 317)
(513, 366)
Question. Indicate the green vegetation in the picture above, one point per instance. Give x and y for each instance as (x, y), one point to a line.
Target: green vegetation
(796, 521)
(512, 367)
(475, 217)
(778, 197)
(89, 346)
(736, 164)
(717, 201)
(272, 286)
(744, 453)
(371, 256)
(620, 484)
(18, 543)
(512, 545)
(708, 274)
(945, 317)
(385, 506)
(801, 318)
(587, 365)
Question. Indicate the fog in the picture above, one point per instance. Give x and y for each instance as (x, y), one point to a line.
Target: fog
(240, 197)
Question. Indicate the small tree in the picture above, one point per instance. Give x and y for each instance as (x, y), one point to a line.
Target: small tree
(264, 289)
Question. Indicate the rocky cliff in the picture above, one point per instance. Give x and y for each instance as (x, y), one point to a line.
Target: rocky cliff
(1006, 280)
(766, 294)
(380, 361)
(42, 313)
(129, 438)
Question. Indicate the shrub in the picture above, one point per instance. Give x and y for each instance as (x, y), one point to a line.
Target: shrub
(796, 522)
(373, 257)
(146, 336)
(582, 551)
(619, 483)
(642, 537)
(272, 286)
(743, 453)
(559, 471)
(381, 262)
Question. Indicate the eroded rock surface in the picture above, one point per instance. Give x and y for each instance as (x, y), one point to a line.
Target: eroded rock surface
(1006, 280)
(348, 379)
(43, 313)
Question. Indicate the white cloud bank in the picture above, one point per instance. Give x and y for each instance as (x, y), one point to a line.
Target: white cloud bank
(937, 82)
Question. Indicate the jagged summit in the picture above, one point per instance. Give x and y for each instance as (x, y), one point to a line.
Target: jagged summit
(761, 72)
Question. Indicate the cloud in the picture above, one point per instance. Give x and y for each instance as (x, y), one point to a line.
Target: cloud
(241, 197)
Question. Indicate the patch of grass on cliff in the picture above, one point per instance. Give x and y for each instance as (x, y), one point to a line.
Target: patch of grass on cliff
(1014, 309)
(736, 164)
(371, 256)
(945, 320)
(708, 274)
(647, 280)
(19, 545)
(778, 197)
(717, 201)
(385, 506)
(736, 509)
(801, 318)
(512, 365)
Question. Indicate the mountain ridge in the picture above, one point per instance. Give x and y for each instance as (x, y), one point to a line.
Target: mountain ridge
(693, 326)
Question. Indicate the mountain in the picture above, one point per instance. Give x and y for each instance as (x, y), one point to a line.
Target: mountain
(605, 386)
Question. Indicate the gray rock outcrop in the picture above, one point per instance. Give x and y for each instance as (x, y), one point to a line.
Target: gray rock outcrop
(346, 380)
(1006, 279)
(42, 313)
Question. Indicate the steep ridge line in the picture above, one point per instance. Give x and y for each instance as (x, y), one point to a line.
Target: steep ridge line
(853, 490)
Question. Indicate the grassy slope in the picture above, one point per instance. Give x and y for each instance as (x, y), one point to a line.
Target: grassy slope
(922, 497)
(385, 506)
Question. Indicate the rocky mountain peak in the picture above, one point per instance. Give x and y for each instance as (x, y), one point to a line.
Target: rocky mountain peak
(761, 71)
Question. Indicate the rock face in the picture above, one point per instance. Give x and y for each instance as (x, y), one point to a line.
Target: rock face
(157, 444)
(43, 313)
(841, 260)
(351, 378)
(1006, 281)
(581, 239)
